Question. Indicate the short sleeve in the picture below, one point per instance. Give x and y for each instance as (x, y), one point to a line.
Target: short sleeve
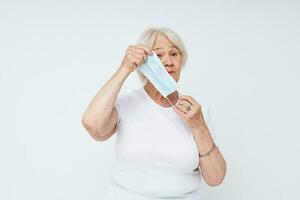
(122, 104)
(118, 108)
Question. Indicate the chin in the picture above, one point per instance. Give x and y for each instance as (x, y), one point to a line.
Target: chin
(175, 77)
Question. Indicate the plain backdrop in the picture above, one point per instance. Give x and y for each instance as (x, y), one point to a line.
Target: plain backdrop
(55, 55)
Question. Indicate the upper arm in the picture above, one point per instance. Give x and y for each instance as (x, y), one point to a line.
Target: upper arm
(106, 131)
(121, 106)
(111, 125)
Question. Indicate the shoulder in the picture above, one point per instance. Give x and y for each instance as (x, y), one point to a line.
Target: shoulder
(128, 100)
(127, 97)
(126, 104)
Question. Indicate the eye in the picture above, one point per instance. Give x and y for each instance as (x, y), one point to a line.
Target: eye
(159, 55)
(174, 54)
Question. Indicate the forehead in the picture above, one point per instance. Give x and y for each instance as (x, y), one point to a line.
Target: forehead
(163, 43)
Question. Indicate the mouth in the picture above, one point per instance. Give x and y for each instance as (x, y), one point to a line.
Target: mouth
(171, 72)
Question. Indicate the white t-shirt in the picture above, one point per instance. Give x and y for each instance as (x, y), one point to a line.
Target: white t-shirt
(156, 155)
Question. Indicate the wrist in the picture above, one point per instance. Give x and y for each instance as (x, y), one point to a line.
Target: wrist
(124, 71)
(201, 130)
(201, 155)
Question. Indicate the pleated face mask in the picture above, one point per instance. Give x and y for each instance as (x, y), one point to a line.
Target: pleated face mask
(157, 74)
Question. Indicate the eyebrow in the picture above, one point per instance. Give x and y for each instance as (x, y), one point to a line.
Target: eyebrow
(168, 46)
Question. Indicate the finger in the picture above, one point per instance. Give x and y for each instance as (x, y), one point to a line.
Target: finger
(189, 99)
(139, 57)
(141, 53)
(145, 48)
(181, 110)
(187, 107)
(138, 50)
(135, 54)
(184, 102)
(134, 59)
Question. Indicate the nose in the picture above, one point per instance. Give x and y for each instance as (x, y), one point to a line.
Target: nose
(167, 61)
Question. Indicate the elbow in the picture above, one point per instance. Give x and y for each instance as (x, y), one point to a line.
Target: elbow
(217, 179)
(88, 124)
(94, 130)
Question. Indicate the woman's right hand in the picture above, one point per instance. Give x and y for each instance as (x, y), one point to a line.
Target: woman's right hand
(135, 56)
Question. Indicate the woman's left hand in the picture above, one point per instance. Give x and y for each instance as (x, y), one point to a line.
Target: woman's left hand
(190, 110)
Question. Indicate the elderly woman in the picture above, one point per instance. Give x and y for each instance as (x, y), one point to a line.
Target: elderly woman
(164, 145)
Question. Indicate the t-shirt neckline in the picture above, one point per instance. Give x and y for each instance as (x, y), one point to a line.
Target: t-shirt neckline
(153, 102)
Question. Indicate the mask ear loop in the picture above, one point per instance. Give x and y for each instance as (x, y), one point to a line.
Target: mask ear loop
(177, 99)
(170, 102)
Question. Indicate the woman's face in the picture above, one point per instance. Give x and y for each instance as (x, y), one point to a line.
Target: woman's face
(169, 55)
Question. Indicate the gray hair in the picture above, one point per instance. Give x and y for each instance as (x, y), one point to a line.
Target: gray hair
(149, 38)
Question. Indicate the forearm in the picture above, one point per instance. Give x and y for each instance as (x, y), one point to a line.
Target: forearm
(213, 166)
(100, 108)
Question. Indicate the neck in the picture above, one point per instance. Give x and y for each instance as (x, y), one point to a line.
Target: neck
(155, 95)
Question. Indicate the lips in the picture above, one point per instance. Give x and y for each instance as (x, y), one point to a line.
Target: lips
(170, 72)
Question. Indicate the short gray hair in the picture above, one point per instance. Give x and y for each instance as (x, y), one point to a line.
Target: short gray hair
(149, 38)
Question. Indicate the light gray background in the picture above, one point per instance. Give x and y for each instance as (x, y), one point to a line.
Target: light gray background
(55, 56)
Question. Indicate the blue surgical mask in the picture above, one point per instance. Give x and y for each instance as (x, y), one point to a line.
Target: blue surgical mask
(156, 73)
